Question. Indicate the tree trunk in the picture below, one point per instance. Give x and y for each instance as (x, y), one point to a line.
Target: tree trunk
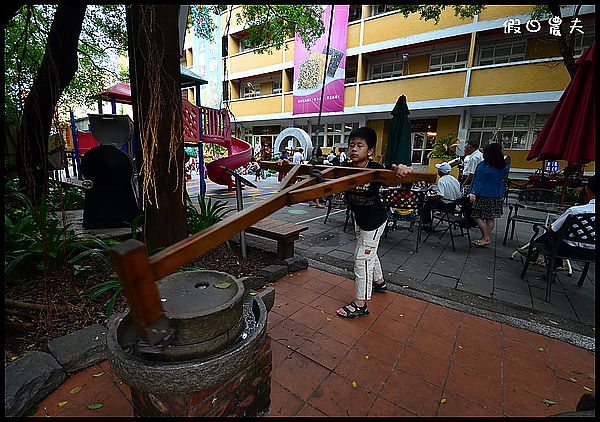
(155, 88)
(56, 71)
(565, 41)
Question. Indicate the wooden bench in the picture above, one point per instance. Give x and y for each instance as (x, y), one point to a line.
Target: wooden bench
(283, 232)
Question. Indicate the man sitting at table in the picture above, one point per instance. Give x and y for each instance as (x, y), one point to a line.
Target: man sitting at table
(447, 190)
(590, 191)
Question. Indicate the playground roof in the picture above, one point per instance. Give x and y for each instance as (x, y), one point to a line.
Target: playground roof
(189, 78)
(122, 92)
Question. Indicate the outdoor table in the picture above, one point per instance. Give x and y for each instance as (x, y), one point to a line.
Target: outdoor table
(553, 211)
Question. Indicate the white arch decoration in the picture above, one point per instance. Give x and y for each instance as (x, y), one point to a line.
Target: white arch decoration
(300, 135)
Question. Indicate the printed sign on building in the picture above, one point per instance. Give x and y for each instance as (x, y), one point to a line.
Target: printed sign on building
(312, 63)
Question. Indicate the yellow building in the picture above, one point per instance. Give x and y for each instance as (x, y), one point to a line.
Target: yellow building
(467, 76)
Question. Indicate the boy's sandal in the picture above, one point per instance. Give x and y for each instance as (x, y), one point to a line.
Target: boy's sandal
(379, 287)
(357, 312)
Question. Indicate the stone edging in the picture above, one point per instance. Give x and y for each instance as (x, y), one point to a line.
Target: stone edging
(31, 378)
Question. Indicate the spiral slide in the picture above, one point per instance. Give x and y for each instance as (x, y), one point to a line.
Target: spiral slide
(240, 154)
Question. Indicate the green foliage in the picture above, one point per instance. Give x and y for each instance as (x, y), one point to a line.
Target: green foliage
(444, 147)
(209, 214)
(93, 292)
(270, 25)
(434, 11)
(65, 197)
(103, 35)
(36, 239)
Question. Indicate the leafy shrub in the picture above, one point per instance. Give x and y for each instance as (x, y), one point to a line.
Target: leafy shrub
(29, 231)
(444, 147)
(209, 214)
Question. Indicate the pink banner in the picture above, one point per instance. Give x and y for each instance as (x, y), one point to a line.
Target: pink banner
(310, 64)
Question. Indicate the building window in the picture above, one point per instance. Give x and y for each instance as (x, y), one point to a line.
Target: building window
(448, 61)
(276, 87)
(224, 46)
(387, 69)
(582, 41)
(250, 89)
(355, 12)
(514, 131)
(502, 53)
(332, 133)
(245, 45)
(378, 9)
(189, 58)
(351, 70)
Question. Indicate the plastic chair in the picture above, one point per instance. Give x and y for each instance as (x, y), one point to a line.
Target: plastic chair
(403, 205)
(580, 228)
(455, 218)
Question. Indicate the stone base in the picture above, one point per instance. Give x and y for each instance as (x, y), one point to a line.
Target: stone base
(248, 393)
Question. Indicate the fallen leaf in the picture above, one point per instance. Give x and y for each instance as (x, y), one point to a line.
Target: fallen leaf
(553, 322)
(253, 293)
(592, 376)
(548, 402)
(222, 285)
(354, 384)
(13, 357)
(459, 346)
(62, 403)
(401, 314)
(94, 406)
(443, 400)
(75, 390)
(328, 319)
(587, 388)
(98, 375)
(573, 379)
(489, 278)
(367, 357)
(541, 349)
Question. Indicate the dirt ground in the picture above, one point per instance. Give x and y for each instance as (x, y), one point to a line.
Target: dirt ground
(28, 326)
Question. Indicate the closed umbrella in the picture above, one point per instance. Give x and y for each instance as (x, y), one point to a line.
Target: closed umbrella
(570, 132)
(398, 148)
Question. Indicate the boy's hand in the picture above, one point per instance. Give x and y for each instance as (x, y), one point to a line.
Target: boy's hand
(401, 170)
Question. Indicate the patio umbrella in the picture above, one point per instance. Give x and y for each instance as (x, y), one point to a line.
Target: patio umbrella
(570, 132)
(398, 148)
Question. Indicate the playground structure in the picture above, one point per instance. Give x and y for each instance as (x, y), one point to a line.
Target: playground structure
(213, 126)
(200, 124)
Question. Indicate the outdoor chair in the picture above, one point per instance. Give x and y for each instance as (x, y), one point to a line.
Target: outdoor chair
(337, 201)
(403, 205)
(580, 228)
(529, 196)
(454, 219)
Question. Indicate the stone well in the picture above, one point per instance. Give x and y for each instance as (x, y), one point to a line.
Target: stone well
(219, 361)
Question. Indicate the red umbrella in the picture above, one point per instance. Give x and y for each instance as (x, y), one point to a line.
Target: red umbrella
(570, 132)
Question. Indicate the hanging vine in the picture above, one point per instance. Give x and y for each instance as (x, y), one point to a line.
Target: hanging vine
(149, 122)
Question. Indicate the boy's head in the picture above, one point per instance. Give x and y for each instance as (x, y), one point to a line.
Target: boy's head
(365, 133)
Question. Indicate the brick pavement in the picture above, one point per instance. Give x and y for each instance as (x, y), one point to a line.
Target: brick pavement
(407, 357)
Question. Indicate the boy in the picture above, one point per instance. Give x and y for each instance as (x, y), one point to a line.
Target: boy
(370, 218)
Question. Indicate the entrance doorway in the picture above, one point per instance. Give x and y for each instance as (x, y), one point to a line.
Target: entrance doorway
(263, 146)
(422, 145)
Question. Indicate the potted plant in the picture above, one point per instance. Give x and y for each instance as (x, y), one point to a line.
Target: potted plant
(444, 149)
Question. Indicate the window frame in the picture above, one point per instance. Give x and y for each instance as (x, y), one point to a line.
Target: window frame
(532, 129)
(511, 58)
(453, 65)
(382, 62)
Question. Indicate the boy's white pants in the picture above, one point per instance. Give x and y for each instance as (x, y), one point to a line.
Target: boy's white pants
(366, 262)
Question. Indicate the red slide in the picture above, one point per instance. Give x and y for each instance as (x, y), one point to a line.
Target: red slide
(216, 129)
(240, 154)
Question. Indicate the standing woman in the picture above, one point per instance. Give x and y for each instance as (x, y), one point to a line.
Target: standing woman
(487, 192)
